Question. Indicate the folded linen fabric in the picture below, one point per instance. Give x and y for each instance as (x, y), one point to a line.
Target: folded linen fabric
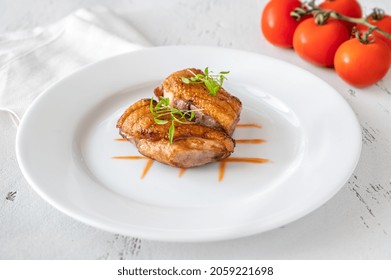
(30, 61)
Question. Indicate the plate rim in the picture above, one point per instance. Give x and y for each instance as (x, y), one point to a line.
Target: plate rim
(152, 236)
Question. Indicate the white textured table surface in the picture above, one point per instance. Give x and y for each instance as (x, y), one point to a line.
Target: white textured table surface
(355, 224)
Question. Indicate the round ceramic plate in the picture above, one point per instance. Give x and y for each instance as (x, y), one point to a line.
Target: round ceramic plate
(298, 142)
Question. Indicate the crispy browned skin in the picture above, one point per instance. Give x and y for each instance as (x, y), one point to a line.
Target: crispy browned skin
(193, 144)
(220, 112)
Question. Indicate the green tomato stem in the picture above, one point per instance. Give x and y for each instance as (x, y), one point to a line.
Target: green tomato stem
(362, 21)
(321, 16)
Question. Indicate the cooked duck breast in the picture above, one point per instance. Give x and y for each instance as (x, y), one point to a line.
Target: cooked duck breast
(219, 112)
(193, 144)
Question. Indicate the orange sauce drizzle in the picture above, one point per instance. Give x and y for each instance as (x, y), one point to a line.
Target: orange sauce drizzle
(248, 125)
(248, 160)
(250, 141)
(223, 163)
(222, 170)
(181, 172)
(146, 168)
(128, 157)
(120, 139)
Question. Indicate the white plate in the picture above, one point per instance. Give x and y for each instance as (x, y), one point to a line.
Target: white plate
(65, 146)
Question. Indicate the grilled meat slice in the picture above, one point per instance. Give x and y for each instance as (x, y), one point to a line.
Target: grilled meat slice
(137, 123)
(193, 144)
(219, 112)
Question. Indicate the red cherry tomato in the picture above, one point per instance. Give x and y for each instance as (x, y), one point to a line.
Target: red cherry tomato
(276, 23)
(384, 24)
(361, 64)
(318, 43)
(349, 8)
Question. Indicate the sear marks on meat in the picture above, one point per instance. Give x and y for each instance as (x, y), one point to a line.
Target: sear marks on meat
(219, 112)
(193, 144)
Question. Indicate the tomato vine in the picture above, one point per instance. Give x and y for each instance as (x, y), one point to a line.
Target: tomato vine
(321, 16)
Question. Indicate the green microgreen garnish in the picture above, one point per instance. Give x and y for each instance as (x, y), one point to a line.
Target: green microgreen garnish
(213, 82)
(163, 109)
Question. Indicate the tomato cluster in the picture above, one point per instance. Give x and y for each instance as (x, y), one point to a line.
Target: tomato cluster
(329, 42)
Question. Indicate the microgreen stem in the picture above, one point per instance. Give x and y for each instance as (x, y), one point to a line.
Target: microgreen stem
(213, 82)
(163, 109)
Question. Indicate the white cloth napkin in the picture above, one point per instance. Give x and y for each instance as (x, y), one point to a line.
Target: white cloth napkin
(32, 60)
